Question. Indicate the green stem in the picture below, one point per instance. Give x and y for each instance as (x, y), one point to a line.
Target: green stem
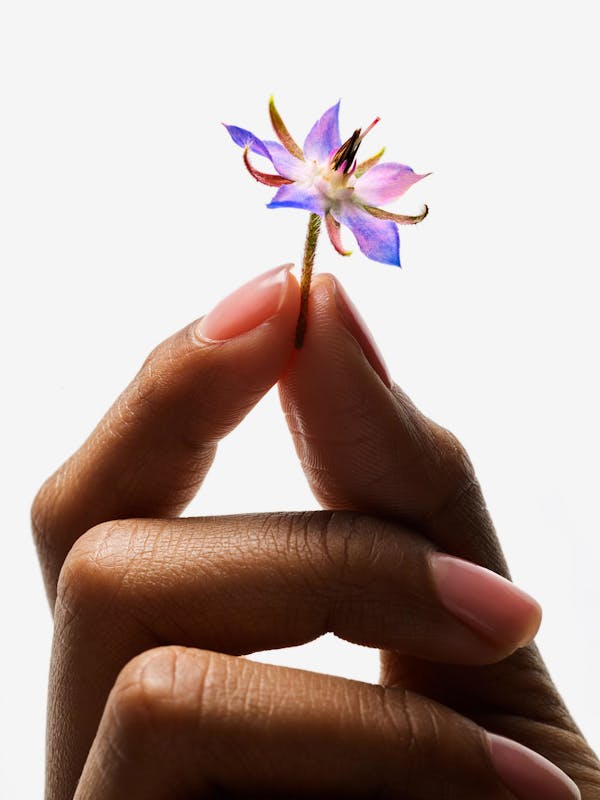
(310, 248)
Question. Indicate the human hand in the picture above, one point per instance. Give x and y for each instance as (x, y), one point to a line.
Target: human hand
(185, 721)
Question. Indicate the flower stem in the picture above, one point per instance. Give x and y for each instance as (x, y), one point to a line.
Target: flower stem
(310, 247)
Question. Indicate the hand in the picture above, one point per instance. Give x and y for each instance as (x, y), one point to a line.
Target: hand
(138, 710)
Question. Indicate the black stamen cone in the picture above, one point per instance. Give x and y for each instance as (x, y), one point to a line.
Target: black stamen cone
(347, 152)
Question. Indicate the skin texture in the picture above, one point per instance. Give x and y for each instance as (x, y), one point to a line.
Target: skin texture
(149, 697)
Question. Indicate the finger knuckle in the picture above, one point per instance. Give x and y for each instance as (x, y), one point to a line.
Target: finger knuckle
(325, 544)
(93, 574)
(157, 690)
(43, 514)
(161, 370)
(452, 455)
(415, 723)
(453, 468)
(352, 546)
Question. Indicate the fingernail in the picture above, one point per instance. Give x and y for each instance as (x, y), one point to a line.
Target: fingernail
(246, 308)
(359, 330)
(485, 601)
(527, 774)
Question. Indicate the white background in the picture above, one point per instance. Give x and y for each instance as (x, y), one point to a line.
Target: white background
(125, 212)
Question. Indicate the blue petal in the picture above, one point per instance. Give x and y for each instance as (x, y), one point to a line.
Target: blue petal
(244, 138)
(378, 239)
(292, 196)
(285, 163)
(324, 135)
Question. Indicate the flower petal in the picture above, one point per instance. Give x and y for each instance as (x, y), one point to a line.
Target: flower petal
(324, 135)
(377, 238)
(333, 229)
(384, 183)
(244, 138)
(264, 177)
(285, 164)
(293, 196)
(282, 132)
(399, 219)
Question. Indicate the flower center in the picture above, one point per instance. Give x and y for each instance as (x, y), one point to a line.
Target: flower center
(334, 179)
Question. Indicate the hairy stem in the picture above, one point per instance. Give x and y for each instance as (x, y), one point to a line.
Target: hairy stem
(310, 247)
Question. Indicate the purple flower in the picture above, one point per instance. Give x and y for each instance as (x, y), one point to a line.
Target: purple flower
(324, 178)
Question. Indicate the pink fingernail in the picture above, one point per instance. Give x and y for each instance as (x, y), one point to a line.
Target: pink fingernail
(485, 601)
(527, 774)
(359, 330)
(246, 308)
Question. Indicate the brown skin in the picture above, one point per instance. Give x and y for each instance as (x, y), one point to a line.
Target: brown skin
(148, 695)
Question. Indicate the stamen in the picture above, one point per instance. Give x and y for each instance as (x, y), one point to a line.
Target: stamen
(343, 159)
(345, 155)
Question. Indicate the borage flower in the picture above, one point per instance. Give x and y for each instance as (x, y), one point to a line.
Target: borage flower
(325, 179)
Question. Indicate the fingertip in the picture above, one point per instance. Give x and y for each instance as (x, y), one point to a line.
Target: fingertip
(486, 602)
(269, 295)
(527, 773)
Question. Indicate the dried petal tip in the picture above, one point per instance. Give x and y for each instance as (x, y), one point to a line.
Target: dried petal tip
(366, 165)
(264, 177)
(400, 219)
(282, 132)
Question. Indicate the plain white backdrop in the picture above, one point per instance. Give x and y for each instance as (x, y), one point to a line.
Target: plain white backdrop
(125, 212)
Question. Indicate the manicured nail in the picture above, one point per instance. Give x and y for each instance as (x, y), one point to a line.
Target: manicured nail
(250, 305)
(359, 330)
(485, 601)
(528, 775)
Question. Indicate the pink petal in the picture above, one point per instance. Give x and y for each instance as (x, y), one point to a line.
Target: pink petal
(384, 183)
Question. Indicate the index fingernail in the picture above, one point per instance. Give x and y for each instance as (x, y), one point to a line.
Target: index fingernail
(247, 307)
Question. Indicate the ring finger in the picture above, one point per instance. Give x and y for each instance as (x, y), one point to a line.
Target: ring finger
(187, 723)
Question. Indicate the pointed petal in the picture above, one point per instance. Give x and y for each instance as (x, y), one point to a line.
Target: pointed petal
(282, 132)
(285, 164)
(377, 238)
(399, 219)
(333, 229)
(293, 196)
(384, 183)
(244, 138)
(263, 177)
(366, 165)
(324, 135)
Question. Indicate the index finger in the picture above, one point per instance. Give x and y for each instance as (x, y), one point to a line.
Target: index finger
(150, 453)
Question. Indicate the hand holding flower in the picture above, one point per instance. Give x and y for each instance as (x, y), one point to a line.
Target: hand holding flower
(149, 697)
